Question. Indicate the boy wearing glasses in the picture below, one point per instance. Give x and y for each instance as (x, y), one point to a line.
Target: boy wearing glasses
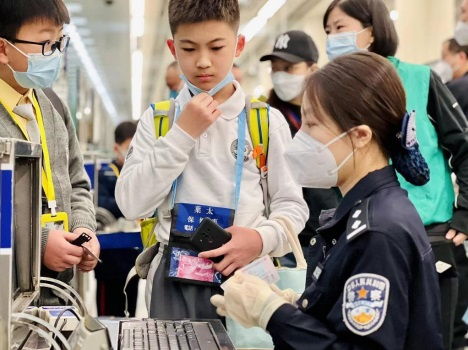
(31, 48)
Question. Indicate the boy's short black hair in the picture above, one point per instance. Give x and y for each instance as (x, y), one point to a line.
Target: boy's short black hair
(15, 13)
(370, 13)
(196, 11)
(124, 131)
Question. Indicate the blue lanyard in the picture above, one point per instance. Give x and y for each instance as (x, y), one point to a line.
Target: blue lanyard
(239, 160)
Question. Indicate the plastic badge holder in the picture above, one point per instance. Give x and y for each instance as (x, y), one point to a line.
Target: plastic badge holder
(55, 222)
(185, 266)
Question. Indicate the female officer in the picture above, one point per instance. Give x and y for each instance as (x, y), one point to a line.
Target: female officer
(376, 285)
(356, 25)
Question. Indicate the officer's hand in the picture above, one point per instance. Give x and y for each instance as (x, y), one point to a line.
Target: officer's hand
(245, 246)
(457, 237)
(88, 262)
(198, 115)
(59, 254)
(248, 300)
(287, 294)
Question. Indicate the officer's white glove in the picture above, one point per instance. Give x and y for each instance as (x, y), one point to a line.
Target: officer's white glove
(287, 294)
(248, 300)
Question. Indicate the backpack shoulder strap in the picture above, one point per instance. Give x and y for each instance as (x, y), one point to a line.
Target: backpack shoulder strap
(56, 101)
(258, 119)
(163, 113)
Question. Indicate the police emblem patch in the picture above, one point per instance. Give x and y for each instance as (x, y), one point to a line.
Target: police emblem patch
(365, 300)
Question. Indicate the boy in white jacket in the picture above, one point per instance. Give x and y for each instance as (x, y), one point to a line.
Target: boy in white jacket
(200, 152)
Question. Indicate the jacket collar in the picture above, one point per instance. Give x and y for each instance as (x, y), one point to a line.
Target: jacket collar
(372, 182)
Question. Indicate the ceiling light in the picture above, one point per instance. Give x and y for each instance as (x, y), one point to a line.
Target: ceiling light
(137, 18)
(394, 15)
(264, 14)
(91, 71)
(270, 8)
(137, 82)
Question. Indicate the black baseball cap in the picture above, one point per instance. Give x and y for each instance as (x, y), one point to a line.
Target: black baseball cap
(294, 46)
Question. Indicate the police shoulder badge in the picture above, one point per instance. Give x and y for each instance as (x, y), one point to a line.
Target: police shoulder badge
(365, 300)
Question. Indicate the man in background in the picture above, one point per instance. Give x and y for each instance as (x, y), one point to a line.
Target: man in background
(456, 56)
(173, 80)
(116, 263)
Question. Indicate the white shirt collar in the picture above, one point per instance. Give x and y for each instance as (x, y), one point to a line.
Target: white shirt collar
(231, 108)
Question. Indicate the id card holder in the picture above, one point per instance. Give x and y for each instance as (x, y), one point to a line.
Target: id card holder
(57, 222)
(182, 261)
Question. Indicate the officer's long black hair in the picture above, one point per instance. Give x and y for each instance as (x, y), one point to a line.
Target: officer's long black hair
(360, 89)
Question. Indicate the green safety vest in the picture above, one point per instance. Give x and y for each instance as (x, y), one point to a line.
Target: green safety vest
(433, 201)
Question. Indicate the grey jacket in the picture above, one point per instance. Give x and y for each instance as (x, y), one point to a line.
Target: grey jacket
(71, 183)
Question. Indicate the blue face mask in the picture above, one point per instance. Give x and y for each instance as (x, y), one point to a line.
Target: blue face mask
(342, 44)
(196, 90)
(42, 71)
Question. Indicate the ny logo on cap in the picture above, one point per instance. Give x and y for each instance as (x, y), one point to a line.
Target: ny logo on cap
(282, 42)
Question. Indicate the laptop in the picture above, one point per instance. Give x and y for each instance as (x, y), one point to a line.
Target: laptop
(149, 334)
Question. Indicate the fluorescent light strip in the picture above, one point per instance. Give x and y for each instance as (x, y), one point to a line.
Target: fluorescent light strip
(91, 71)
(137, 82)
(137, 30)
(264, 14)
(138, 18)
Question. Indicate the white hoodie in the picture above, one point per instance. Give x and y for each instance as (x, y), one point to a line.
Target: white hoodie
(206, 171)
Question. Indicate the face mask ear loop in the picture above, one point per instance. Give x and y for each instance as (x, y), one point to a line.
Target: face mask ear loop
(334, 171)
(355, 40)
(340, 136)
(17, 49)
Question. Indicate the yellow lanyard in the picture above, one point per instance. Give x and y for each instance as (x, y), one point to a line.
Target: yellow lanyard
(115, 169)
(47, 182)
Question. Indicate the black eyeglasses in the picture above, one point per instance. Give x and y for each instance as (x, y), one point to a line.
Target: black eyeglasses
(48, 47)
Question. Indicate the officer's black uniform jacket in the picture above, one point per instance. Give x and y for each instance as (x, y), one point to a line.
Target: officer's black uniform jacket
(374, 244)
(459, 89)
(452, 130)
(106, 190)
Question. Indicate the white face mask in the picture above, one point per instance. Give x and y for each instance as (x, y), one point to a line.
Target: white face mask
(444, 70)
(311, 163)
(461, 33)
(287, 86)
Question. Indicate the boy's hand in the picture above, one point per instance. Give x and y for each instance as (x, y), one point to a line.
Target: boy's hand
(88, 262)
(59, 254)
(245, 246)
(198, 115)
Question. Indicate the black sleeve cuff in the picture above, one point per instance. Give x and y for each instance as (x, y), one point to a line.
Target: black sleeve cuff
(276, 321)
(460, 221)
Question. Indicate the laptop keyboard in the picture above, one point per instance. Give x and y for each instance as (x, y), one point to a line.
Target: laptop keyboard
(166, 335)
